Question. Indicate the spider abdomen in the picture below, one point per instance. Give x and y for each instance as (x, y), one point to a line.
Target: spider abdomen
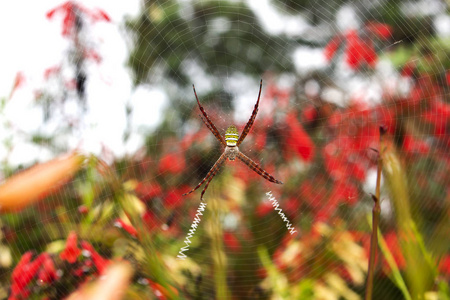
(231, 136)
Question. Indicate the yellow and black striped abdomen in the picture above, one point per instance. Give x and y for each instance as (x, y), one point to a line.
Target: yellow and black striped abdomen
(231, 136)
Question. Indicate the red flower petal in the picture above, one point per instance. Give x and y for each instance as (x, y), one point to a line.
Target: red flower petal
(24, 260)
(343, 192)
(71, 252)
(150, 220)
(147, 191)
(101, 15)
(18, 82)
(369, 54)
(309, 114)
(444, 265)
(172, 163)
(100, 263)
(49, 15)
(173, 199)
(68, 23)
(383, 31)
(92, 54)
(412, 145)
(263, 209)
(47, 274)
(127, 227)
(408, 69)
(354, 50)
(394, 247)
(298, 140)
(331, 47)
(70, 10)
(358, 171)
(260, 140)
(50, 71)
(359, 51)
(24, 273)
(231, 242)
(82, 209)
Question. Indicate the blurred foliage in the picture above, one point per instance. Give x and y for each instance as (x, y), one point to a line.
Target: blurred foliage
(215, 35)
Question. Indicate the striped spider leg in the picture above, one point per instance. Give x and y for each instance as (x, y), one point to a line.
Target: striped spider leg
(208, 122)
(231, 142)
(255, 167)
(249, 124)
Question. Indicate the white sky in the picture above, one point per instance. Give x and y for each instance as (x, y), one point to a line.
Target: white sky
(31, 43)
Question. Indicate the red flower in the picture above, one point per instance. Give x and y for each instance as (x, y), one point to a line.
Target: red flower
(309, 114)
(71, 252)
(161, 292)
(277, 258)
(100, 15)
(173, 199)
(231, 242)
(412, 145)
(150, 220)
(324, 215)
(394, 247)
(439, 114)
(172, 163)
(71, 10)
(306, 191)
(82, 209)
(18, 82)
(353, 51)
(17, 285)
(334, 161)
(292, 206)
(78, 272)
(260, 140)
(357, 171)
(47, 274)
(263, 208)
(331, 47)
(147, 191)
(24, 260)
(92, 54)
(359, 51)
(347, 192)
(24, 272)
(127, 227)
(261, 272)
(100, 263)
(368, 53)
(444, 265)
(50, 71)
(197, 137)
(383, 31)
(298, 140)
(408, 69)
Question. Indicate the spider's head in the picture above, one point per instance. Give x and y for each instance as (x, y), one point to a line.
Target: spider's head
(231, 136)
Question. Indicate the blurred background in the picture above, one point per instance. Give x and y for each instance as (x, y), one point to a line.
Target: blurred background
(113, 81)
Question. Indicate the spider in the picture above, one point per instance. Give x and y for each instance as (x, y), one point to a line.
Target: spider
(231, 142)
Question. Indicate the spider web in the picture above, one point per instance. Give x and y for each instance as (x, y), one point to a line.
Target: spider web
(225, 48)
